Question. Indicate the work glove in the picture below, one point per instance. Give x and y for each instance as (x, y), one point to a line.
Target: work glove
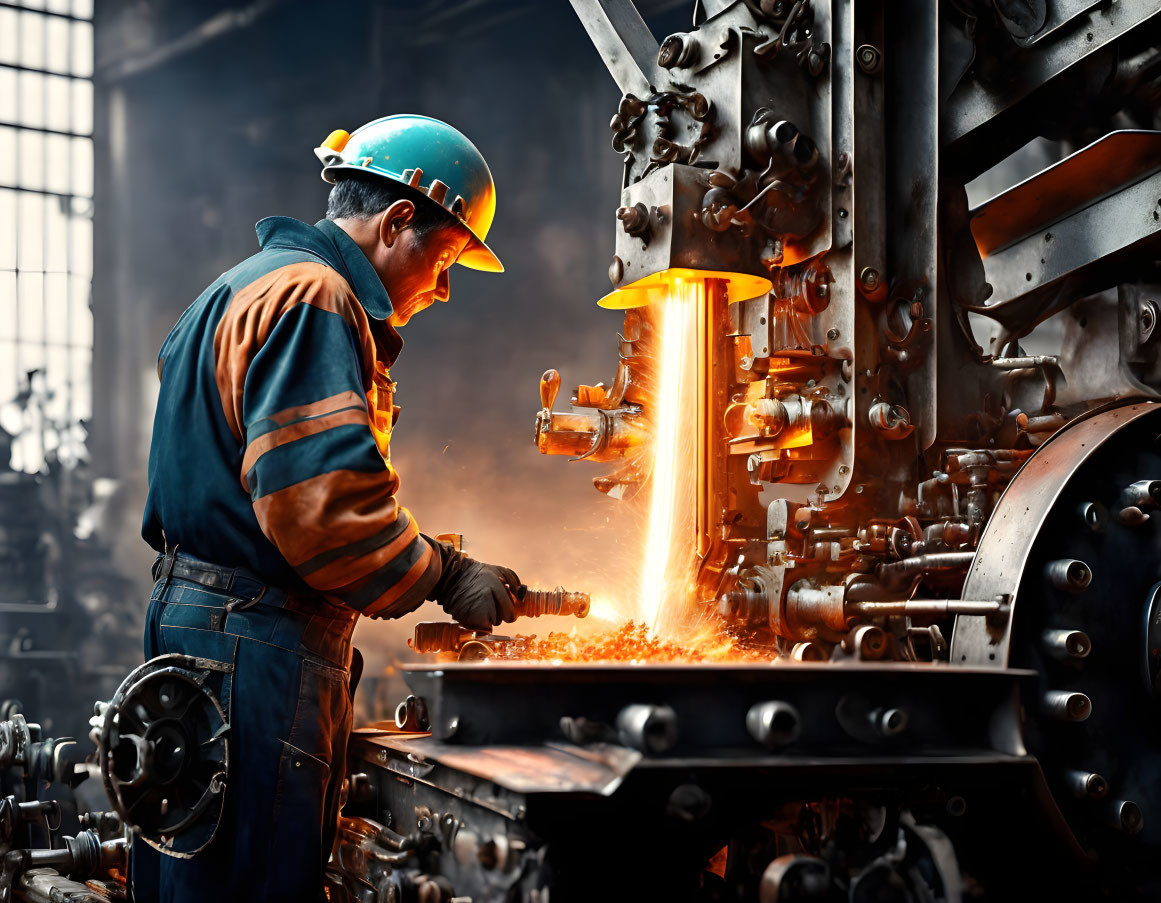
(476, 594)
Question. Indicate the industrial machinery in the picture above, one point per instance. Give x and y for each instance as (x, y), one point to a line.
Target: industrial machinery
(899, 461)
(898, 453)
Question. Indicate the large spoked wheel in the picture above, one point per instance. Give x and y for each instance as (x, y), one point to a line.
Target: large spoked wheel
(1075, 543)
(164, 753)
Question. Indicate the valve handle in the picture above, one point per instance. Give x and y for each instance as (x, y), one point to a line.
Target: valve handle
(549, 387)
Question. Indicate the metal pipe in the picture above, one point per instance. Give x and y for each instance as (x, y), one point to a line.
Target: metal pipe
(1068, 574)
(900, 572)
(533, 603)
(774, 724)
(924, 608)
(1066, 645)
(1065, 705)
(1086, 784)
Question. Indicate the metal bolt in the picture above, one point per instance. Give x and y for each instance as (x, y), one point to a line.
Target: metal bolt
(1064, 705)
(869, 278)
(773, 724)
(832, 333)
(1125, 815)
(1066, 645)
(956, 806)
(677, 50)
(616, 271)
(889, 722)
(1086, 784)
(1068, 574)
(1094, 514)
(869, 58)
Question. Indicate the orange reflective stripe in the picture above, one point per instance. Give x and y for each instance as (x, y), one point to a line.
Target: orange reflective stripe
(298, 430)
(330, 510)
(256, 308)
(409, 580)
(344, 571)
(325, 406)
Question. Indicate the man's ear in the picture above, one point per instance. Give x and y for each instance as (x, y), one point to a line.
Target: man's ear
(394, 219)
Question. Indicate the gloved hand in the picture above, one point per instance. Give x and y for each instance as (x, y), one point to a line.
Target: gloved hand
(475, 594)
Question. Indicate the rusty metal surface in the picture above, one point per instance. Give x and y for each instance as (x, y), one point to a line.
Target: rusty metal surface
(547, 768)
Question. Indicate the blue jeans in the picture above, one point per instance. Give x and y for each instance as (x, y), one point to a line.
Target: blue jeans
(288, 702)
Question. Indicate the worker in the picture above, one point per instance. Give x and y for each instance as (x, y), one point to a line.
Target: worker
(272, 499)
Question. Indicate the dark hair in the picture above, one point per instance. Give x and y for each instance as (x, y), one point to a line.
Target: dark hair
(359, 195)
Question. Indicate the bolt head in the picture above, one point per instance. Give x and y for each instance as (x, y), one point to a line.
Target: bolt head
(869, 278)
(616, 271)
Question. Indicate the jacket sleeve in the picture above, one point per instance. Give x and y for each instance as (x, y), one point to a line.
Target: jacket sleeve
(293, 358)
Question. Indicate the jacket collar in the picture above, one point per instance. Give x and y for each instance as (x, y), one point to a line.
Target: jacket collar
(331, 243)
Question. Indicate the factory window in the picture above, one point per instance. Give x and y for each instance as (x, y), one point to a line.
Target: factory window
(46, 227)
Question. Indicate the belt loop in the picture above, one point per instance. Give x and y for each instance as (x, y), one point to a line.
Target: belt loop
(167, 562)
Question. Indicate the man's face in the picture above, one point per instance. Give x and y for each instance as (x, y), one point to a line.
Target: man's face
(418, 272)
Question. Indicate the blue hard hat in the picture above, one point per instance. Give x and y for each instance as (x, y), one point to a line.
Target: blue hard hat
(437, 162)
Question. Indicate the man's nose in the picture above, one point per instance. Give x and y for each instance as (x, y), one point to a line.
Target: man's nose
(443, 286)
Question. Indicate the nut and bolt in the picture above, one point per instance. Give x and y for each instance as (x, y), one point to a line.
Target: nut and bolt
(869, 58)
(869, 278)
(616, 271)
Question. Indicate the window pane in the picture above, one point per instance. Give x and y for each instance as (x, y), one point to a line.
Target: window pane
(7, 230)
(82, 316)
(56, 102)
(31, 108)
(7, 158)
(82, 112)
(57, 37)
(82, 49)
(31, 149)
(56, 295)
(7, 90)
(9, 38)
(32, 40)
(56, 163)
(56, 231)
(7, 317)
(82, 167)
(81, 246)
(30, 231)
(30, 297)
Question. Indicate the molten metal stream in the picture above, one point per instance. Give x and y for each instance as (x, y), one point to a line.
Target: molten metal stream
(668, 565)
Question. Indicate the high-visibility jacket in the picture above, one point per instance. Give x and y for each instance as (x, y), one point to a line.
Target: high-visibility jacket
(270, 441)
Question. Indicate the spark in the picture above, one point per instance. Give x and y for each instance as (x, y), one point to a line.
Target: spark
(666, 576)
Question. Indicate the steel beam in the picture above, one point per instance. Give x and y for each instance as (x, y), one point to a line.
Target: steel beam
(1080, 250)
(983, 123)
(623, 40)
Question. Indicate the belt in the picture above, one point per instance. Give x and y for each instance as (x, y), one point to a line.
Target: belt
(236, 581)
(322, 628)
